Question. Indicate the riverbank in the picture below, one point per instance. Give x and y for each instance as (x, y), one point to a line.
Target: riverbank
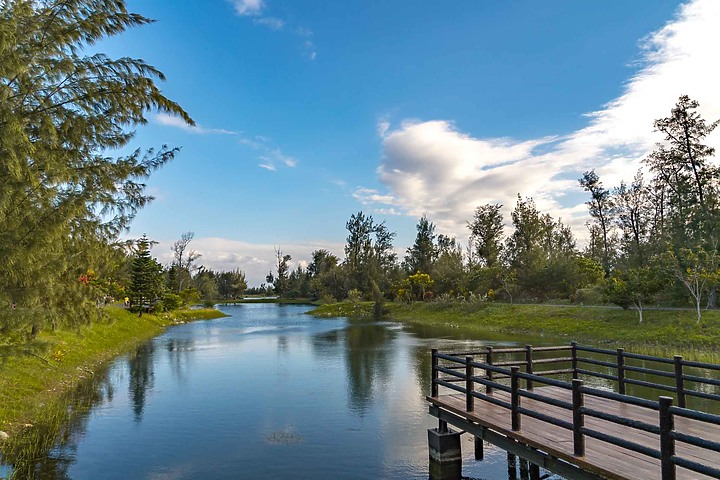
(661, 330)
(38, 374)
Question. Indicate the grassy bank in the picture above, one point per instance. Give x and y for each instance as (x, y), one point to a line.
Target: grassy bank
(38, 374)
(675, 330)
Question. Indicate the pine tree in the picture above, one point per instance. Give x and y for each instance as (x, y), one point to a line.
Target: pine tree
(63, 198)
(146, 278)
(486, 232)
(421, 256)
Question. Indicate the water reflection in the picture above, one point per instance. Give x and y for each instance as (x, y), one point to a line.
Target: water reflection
(142, 377)
(179, 355)
(367, 356)
(46, 450)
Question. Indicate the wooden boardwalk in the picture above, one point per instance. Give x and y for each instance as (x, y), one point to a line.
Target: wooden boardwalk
(596, 433)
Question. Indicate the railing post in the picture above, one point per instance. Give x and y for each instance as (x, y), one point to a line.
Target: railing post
(528, 366)
(679, 381)
(469, 384)
(667, 442)
(573, 355)
(621, 370)
(578, 417)
(434, 387)
(489, 361)
(515, 397)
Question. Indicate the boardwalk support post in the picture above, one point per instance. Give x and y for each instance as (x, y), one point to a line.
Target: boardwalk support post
(621, 370)
(434, 387)
(667, 442)
(469, 399)
(445, 454)
(479, 448)
(679, 381)
(515, 397)
(578, 418)
(528, 366)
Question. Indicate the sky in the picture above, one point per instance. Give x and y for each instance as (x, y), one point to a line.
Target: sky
(308, 111)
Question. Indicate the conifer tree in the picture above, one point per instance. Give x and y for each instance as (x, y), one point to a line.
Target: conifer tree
(64, 197)
(146, 278)
(421, 256)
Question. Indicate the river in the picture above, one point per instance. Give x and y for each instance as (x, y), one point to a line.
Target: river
(268, 392)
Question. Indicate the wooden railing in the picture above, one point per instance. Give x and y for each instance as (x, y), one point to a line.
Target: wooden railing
(478, 380)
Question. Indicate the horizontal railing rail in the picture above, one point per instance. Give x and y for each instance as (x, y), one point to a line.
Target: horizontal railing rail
(478, 374)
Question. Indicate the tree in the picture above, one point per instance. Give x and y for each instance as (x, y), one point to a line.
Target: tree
(183, 264)
(280, 279)
(696, 269)
(63, 197)
(422, 254)
(683, 172)
(369, 255)
(146, 286)
(635, 219)
(206, 283)
(450, 273)
(539, 251)
(231, 284)
(601, 210)
(322, 262)
(635, 286)
(327, 278)
(420, 285)
(486, 233)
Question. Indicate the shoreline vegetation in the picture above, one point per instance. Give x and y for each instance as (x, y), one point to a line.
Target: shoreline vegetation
(36, 376)
(663, 331)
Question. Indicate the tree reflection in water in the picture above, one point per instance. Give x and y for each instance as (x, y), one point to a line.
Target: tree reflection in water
(142, 376)
(47, 449)
(179, 355)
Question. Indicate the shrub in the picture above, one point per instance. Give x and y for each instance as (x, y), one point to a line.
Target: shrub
(172, 302)
(590, 296)
(354, 295)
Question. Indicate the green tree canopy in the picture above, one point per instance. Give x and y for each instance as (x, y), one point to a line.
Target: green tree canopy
(64, 196)
(146, 285)
(421, 256)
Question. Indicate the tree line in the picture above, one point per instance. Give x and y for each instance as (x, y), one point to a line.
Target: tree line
(653, 240)
(67, 195)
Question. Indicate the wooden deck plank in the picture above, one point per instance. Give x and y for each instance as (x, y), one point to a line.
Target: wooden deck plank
(600, 457)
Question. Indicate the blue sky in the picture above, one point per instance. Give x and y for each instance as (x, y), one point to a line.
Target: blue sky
(309, 111)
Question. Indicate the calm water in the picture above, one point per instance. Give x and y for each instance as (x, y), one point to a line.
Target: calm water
(268, 392)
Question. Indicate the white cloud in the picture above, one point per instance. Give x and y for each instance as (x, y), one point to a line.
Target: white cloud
(368, 196)
(432, 167)
(177, 122)
(267, 166)
(256, 260)
(287, 160)
(256, 8)
(248, 7)
(274, 24)
(310, 49)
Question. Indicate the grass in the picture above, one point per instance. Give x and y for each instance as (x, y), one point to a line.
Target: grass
(662, 331)
(343, 309)
(32, 384)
